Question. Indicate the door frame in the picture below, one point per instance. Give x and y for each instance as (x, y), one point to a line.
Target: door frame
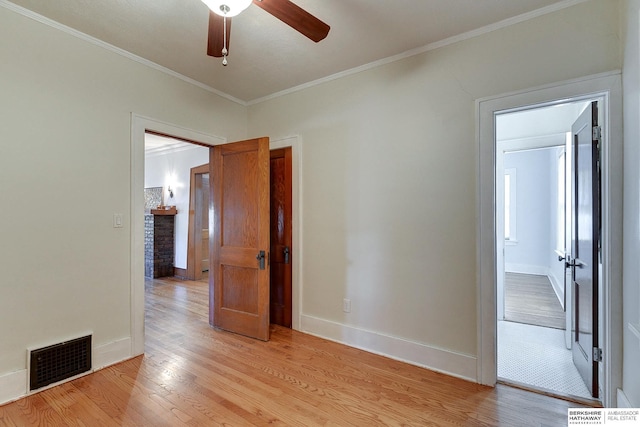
(141, 124)
(608, 86)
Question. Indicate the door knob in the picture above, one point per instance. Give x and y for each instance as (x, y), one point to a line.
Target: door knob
(286, 254)
(560, 258)
(574, 263)
(260, 257)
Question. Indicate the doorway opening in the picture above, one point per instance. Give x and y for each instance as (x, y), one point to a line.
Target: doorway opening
(533, 238)
(286, 149)
(606, 86)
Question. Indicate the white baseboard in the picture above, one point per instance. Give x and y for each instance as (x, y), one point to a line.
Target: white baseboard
(526, 269)
(448, 362)
(111, 353)
(13, 386)
(557, 287)
(622, 401)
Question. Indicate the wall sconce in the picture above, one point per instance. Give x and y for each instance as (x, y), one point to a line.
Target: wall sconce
(170, 182)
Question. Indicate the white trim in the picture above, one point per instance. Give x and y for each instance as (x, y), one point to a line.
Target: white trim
(97, 42)
(558, 287)
(296, 223)
(607, 86)
(423, 49)
(140, 124)
(178, 147)
(538, 270)
(513, 205)
(622, 400)
(635, 330)
(415, 353)
(111, 353)
(532, 142)
(13, 386)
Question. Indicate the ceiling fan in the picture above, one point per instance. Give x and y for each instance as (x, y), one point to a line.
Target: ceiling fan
(221, 12)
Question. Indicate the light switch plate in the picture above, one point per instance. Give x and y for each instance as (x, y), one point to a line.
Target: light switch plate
(117, 220)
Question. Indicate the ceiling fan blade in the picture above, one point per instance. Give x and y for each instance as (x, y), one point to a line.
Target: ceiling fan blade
(295, 17)
(216, 33)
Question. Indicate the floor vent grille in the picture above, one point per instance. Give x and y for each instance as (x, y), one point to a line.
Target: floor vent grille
(59, 361)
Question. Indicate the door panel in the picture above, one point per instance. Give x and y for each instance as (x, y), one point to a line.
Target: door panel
(281, 262)
(239, 283)
(198, 247)
(242, 295)
(585, 240)
(204, 233)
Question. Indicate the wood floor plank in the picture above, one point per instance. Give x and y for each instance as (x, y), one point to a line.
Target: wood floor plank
(530, 299)
(194, 375)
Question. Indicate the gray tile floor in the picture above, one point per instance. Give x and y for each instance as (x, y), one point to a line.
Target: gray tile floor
(537, 357)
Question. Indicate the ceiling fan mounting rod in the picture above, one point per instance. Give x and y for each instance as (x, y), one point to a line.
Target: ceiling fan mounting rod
(225, 9)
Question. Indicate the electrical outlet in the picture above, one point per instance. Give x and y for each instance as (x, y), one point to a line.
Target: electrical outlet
(346, 305)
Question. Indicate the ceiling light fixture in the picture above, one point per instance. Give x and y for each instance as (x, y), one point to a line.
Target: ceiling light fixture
(226, 9)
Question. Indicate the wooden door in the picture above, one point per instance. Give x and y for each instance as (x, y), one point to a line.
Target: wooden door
(198, 241)
(280, 182)
(239, 280)
(585, 244)
(204, 226)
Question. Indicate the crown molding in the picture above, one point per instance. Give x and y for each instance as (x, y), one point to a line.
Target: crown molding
(97, 42)
(375, 64)
(429, 47)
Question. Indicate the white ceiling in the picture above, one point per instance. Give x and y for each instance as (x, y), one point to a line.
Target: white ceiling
(266, 56)
(159, 145)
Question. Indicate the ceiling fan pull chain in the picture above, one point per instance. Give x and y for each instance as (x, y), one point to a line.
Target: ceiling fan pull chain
(225, 9)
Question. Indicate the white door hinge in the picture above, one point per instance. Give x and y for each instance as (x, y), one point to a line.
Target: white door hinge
(597, 354)
(597, 133)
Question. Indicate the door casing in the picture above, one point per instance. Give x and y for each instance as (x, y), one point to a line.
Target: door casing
(607, 86)
(141, 124)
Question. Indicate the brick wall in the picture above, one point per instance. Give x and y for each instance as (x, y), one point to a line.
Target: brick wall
(158, 245)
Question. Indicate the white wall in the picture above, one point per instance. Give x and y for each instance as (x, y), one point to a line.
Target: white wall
(631, 223)
(390, 176)
(389, 181)
(65, 164)
(178, 164)
(530, 253)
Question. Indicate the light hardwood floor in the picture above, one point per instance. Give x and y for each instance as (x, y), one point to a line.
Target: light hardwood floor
(193, 375)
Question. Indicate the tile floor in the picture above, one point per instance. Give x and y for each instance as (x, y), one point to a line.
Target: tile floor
(537, 356)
